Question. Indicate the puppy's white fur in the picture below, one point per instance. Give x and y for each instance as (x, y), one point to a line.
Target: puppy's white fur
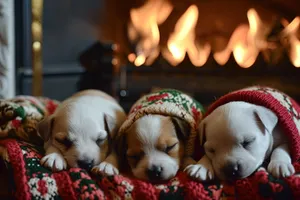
(148, 138)
(148, 130)
(243, 136)
(82, 119)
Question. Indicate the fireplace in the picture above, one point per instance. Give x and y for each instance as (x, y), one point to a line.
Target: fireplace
(205, 48)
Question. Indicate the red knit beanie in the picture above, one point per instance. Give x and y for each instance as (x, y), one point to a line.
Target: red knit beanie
(286, 109)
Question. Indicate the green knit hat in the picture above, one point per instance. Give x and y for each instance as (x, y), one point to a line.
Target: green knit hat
(168, 102)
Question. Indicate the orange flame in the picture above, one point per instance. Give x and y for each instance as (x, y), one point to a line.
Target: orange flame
(245, 43)
(144, 25)
(183, 36)
(291, 31)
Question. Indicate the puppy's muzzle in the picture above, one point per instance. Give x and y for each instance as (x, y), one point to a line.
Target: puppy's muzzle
(86, 164)
(232, 170)
(155, 172)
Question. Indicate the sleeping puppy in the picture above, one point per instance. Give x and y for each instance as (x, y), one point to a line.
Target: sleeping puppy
(153, 147)
(80, 132)
(240, 137)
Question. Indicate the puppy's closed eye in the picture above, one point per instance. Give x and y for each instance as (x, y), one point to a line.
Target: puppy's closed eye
(100, 141)
(64, 141)
(170, 148)
(210, 150)
(247, 142)
(134, 158)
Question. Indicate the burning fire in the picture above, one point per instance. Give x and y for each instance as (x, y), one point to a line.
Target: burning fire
(290, 31)
(144, 29)
(245, 44)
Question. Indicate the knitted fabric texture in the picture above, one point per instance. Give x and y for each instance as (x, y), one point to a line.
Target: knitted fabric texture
(20, 115)
(286, 109)
(30, 180)
(168, 102)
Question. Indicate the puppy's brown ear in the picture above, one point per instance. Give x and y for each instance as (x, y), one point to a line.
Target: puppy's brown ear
(44, 127)
(182, 128)
(201, 132)
(110, 125)
(266, 117)
(120, 146)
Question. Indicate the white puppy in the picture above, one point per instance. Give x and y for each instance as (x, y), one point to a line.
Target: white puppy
(239, 138)
(80, 132)
(153, 147)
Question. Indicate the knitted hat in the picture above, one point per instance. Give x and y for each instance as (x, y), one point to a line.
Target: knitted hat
(286, 109)
(168, 102)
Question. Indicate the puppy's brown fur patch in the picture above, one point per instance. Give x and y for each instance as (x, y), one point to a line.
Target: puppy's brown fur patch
(135, 150)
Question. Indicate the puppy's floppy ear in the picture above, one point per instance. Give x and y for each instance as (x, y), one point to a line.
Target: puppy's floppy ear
(266, 117)
(110, 125)
(120, 146)
(182, 128)
(45, 126)
(201, 132)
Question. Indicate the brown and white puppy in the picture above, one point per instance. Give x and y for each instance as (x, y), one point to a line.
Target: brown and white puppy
(240, 137)
(80, 132)
(153, 147)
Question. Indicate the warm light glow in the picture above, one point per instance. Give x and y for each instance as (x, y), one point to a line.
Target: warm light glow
(290, 31)
(176, 51)
(295, 53)
(254, 21)
(144, 25)
(199, 54)
(131, 57)
(140, 60)
(238, 36)
(239, 53)
(183, 35)
(36, 45)
(245, 57)
(245, 43)
(291, 28)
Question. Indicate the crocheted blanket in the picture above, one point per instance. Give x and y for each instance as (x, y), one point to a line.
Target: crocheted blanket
(32, 181)
(20, 115)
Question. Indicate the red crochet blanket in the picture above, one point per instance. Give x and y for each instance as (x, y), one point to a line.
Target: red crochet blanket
(32, 181)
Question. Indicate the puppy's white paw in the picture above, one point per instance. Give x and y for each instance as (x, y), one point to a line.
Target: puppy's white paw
(280, 169)
(54, 161)
(202, 171)
(105, 168)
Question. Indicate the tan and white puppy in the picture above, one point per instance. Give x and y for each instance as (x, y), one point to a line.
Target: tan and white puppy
(153, 147)
(80, 132)
(240, 137)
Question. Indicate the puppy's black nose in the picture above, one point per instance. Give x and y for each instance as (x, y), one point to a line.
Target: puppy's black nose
(85, 164)
(155, 172)
(231, 170)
